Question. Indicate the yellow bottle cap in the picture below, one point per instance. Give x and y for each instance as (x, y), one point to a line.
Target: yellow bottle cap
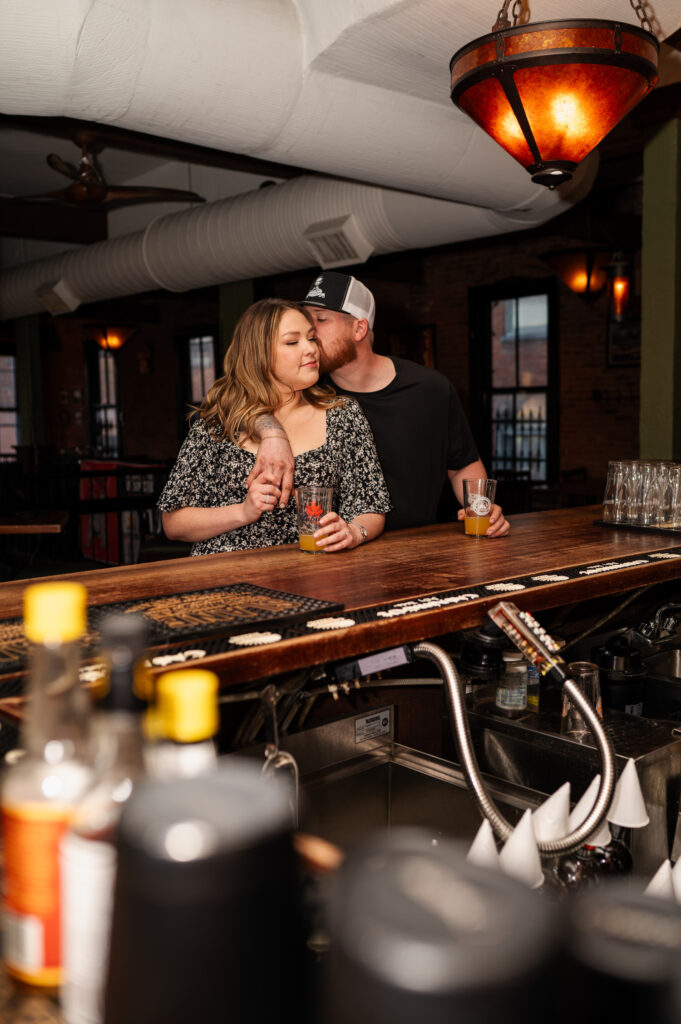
(55, 612)
(151, 724)
(186, 703)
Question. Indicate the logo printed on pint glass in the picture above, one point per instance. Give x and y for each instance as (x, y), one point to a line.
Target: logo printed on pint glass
(480, 504)
(314, 510)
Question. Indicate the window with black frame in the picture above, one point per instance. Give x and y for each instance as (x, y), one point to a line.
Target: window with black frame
(201, 355)
(515, 373)
(104, 402)
(198, 359)
(9, 405)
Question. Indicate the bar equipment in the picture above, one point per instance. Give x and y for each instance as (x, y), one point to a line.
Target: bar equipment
(279, 765)
(542, 651)
(622, 675)
(585, 675)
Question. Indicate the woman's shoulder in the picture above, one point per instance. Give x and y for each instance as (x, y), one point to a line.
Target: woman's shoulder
(347, 409)
(206, 429)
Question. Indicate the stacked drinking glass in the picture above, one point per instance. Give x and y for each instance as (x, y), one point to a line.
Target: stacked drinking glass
(643, 492)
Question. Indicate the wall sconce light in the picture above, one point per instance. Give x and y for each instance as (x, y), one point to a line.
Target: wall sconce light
(113, 338)
(584, 270)
(620, 273)
(549, 92)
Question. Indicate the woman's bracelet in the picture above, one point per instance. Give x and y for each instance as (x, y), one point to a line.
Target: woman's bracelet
(363, 535)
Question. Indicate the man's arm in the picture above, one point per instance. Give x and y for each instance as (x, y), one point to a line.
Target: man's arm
(498, 526)
(274, 457)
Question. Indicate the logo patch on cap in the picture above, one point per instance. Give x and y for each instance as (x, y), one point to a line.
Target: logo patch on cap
(315, 291)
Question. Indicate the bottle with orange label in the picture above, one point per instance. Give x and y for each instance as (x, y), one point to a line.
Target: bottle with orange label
(40, 792)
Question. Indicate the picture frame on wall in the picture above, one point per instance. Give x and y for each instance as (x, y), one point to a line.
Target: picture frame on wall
(624, 343)
(416, 342)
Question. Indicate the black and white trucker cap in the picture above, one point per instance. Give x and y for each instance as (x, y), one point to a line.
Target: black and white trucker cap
(344, 294)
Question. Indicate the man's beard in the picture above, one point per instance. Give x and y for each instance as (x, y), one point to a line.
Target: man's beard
(344, 351)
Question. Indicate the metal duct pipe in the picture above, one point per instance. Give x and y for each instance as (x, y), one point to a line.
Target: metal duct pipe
(300, 223)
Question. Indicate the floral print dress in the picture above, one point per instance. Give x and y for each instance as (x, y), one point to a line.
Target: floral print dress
(209, 473)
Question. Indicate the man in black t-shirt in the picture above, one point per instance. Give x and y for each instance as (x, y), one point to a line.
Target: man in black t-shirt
(421, 432)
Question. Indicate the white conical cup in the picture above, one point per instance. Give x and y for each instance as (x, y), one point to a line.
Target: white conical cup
(676, 881)
(628, 806)
(582, 809)
(662, 882)
(483, 849)
(550, 819)
(519, 856)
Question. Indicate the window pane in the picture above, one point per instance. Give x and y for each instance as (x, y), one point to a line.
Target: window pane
(503, 431)
(106, 427)
(533, 319)
(503, 343)
(9, 433)
(8, 394)
(519, 433)
(531, 434)
(201, 366)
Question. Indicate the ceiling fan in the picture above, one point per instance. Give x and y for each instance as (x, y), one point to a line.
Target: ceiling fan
(90, 189)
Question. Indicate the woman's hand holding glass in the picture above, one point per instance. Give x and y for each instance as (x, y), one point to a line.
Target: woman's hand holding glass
(334, 534)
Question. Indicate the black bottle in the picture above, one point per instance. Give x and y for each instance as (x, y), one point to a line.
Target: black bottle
(580, 869)
(615, 858)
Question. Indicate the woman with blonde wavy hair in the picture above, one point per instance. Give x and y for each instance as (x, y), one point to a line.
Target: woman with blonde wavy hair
(272, 368)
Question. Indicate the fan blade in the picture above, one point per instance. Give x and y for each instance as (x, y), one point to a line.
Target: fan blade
(61, 193)
(128, 194)
(79, 193)
(92, 193)
(57, 164)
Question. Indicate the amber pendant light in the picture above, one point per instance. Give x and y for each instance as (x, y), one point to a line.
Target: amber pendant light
(549, 92)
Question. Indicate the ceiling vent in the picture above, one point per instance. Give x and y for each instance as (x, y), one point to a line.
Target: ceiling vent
(58, 297)
(337, 242)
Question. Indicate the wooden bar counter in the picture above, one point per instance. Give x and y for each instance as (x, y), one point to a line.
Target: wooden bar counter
(398, 567)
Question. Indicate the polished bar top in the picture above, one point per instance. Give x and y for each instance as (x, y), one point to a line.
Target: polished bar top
(34, 522)
(399, 566)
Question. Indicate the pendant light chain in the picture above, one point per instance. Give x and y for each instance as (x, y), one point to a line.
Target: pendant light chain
(640, 10)
(502, 21)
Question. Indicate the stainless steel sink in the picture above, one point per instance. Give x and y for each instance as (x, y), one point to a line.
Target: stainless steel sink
(665, 664)
(355, 779)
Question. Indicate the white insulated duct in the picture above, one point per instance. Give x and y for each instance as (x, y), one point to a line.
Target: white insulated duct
(283, 227)
(357, 90)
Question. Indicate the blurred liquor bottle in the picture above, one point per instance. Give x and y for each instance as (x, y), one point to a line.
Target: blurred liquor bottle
(42, 789)
(181, 726)
(88, 853)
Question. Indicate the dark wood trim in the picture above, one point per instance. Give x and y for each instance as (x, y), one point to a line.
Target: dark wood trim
(121, 138)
